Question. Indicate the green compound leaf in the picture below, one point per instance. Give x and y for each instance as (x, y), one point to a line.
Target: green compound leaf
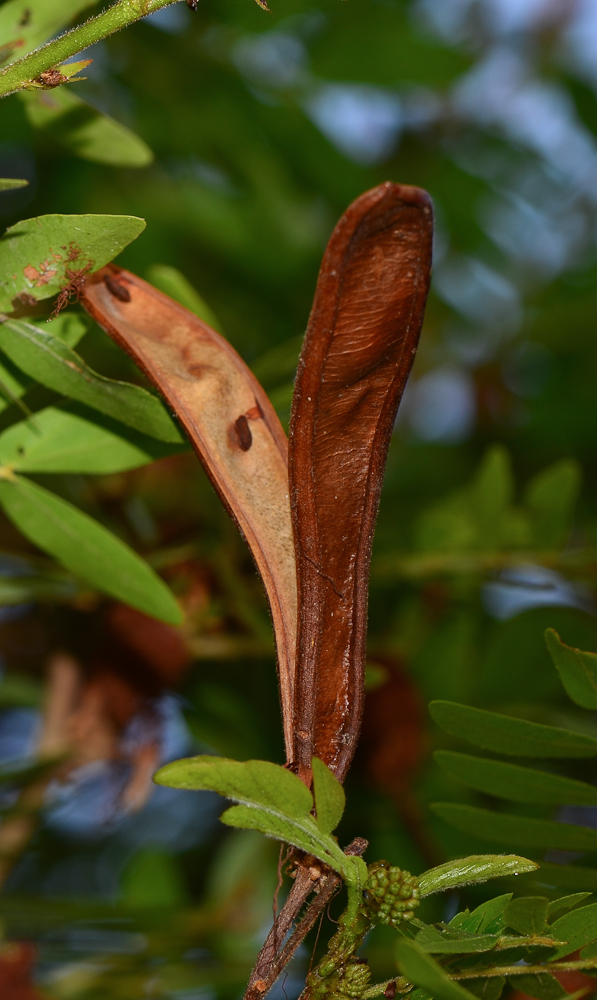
(70, 439)
(28, 23)
(527, 914)
(439, 943)
(173, 283)
(86, 548)
(543, 986)
(420, 969)
(558, 906)
(510, 781)
(577, 670)
(83, 130)
(507, 735)
(10, 183)
(329, 796)
(578, 928)
(476, 868)
(53, 363)
(273, 801)
(39, 256)
(505, 828)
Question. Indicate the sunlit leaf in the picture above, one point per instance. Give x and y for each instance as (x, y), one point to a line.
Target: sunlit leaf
(578, 928)
(508, 735)
(510, 781)
(39, 257)
(86, 548)
(84, 130)
(505, 828)
(577, 670)
(420, 969)
(70, 439)
(476, 868)
(329, 797)
(51, 361)
(527, 914)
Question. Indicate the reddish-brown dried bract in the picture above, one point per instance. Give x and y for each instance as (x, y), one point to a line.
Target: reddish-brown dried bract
(358, 352)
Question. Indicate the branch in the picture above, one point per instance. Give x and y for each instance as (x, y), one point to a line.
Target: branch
(21, 73)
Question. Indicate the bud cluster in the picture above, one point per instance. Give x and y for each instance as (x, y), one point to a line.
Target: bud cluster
(391, 894)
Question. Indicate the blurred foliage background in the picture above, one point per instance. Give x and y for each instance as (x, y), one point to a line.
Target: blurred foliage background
(263, 127)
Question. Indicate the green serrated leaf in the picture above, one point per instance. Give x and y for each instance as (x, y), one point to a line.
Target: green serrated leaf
(578, 928)
(507, 735)
(476, 868)
(440, 943)
(38, 256)
(564, 903)
(173, 283)
(52, 362)
(273, 800)
(510, 781)
(329, 797)
(70, 439)
(10, 183)
(31, 22)
(86, 548)
(420, 969)
(527, 914)
(84, 130)
(543, 986)
(505, 828)
(577, 670)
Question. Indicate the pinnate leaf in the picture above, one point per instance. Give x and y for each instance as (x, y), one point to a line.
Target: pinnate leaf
(53, 363)
(86, 548)
(329, 796)
(510, 781)
(507, 735)
(505, 828)
(577, 670)
(38, 256)
(527, 914)
(420, 969)
(476, 868)
(69, 439)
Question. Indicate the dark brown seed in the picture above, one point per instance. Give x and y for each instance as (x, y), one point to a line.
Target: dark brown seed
(390, 990)
(243, 433)
(118, 290)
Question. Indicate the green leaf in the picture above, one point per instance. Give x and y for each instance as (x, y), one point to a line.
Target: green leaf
(510, 781)
(590, 951)
(273, 800)
(52, 362)
(9, 183)
(551, 497)
(173, 283)
(69, 326)
(83, 130)
(543, 986)
(566, 903)
(22, 691)
(476, 868)
(420, 969)
(86, 548)
(577, 670)
(578, 928)
(70, 439)
(488, 917)
(31, 22)
(507, 735)
(39, 256)
(440, 943)
(527, 914)
(486, 989)
(505, 828)
(329, 797)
